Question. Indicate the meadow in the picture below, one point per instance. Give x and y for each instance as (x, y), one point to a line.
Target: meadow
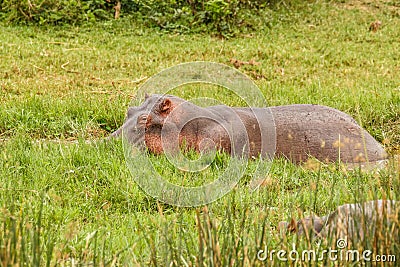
(67, 198)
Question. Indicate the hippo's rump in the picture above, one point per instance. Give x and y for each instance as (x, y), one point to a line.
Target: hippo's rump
(325, 133)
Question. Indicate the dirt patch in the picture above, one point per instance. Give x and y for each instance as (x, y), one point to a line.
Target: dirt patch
(373, 6)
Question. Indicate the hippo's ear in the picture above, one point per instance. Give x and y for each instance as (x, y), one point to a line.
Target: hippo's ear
(292, 227)
(146, 95)
(318, 225)
(166, 106)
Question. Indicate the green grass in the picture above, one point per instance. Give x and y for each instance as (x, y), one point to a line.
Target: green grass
(64, 202)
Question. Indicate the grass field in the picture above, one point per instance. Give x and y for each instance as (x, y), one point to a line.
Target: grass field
(66, 201)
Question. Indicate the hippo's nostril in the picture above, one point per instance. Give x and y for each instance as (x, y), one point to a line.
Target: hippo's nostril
(148, 121)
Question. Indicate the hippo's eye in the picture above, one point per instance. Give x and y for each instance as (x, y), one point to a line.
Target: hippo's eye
(142, 119)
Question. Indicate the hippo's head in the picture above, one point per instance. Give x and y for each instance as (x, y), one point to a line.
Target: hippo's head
(311, 224)
(152, 113)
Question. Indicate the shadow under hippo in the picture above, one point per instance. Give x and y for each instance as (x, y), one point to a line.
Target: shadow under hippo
(165, 122)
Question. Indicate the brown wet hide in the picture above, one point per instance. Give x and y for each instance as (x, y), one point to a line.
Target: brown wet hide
(152, 138)
(203, 135)
(199, 134)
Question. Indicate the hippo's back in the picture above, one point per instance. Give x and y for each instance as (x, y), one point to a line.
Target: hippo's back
(323, 132)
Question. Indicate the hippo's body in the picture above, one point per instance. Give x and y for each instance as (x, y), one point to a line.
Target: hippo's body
(301, 131)
(354, 222)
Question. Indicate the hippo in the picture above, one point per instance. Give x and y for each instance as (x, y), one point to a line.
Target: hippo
(166, 122)
(353, 222)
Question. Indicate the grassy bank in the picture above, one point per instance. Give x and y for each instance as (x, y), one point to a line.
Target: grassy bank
(64, 200)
